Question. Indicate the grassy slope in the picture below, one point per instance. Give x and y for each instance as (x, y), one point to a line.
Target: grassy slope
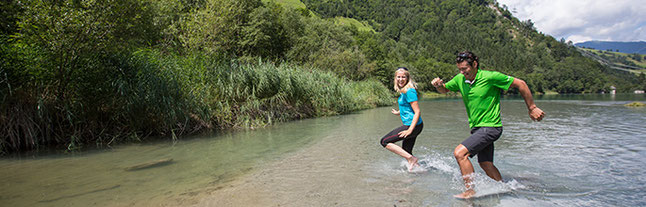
(295, 4)
(641, 63)
(351, 21)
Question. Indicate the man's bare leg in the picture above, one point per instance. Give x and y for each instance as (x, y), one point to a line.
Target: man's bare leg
(461, 154)
(491, 170)
(412, 160)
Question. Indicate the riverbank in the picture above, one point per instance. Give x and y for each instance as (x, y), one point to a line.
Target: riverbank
(150, 94)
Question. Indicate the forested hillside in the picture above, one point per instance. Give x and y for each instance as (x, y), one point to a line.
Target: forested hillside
(97, 72)
(426, 34)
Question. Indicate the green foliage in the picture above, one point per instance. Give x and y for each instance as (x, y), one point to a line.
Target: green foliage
(194, 92)
(641, 81)
(426, 35)
(235, 28)
(326, 45)
(215, 28)
(70, 36)
(10, 11)
(150, 93)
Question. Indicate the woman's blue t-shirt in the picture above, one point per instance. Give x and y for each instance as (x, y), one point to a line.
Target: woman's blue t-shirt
(405, 110)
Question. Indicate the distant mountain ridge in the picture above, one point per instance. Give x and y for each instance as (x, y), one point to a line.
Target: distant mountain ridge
(624, 47)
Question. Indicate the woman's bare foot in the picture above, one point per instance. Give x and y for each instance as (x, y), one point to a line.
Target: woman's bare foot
(466, 194)
(412, 162)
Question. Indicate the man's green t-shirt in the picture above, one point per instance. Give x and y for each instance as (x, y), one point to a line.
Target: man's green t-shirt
(482, 97)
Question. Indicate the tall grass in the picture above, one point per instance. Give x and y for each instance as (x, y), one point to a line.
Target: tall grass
(150, 94)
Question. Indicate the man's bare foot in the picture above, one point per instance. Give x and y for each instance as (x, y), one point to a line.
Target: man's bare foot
(412, 162)
(466, 194)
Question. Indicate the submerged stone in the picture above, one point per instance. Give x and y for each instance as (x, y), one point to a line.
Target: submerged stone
(635, 104)
(156, 163)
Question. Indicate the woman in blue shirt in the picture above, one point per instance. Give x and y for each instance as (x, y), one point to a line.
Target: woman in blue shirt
(411, 118)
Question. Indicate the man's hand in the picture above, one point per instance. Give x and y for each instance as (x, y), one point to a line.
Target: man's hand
(536, 113)
(439, 85)
(396, 112)
(437, 82)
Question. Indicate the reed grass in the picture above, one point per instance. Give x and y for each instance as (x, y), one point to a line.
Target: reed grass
(150, 94)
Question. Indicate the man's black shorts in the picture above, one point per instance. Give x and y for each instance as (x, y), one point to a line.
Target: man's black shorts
(481, 142)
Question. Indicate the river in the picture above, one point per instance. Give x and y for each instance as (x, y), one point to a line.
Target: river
(588, 151)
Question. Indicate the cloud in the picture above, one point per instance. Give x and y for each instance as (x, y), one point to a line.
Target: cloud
(582, 20)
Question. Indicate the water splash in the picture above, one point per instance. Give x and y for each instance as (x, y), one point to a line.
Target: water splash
(430, 161)
(485, 186)
(433, 162)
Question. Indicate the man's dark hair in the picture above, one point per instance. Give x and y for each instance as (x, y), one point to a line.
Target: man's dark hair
(468, 56)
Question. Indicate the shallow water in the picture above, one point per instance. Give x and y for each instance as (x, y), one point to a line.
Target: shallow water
(587, 152)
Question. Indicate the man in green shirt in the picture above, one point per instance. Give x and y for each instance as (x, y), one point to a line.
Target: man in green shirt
(481, 91)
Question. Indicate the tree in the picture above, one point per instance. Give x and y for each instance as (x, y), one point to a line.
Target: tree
(636, 56)
(70, 35)
(10, 11)
(642, 79)
(264, 35)
(219, 26)
(55, 60)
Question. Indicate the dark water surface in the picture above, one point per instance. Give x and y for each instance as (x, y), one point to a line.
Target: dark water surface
(589, 151)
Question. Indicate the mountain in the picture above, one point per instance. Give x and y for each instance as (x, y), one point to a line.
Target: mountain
(424, 36)
(624, 47)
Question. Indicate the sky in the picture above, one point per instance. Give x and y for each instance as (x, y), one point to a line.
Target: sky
(584, 20)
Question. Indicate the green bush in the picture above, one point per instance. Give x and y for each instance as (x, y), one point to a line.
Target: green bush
(149, 93)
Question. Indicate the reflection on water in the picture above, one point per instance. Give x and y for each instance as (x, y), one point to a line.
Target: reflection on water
(587, 152)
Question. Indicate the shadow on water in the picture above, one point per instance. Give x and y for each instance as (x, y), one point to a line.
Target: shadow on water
(79, 194)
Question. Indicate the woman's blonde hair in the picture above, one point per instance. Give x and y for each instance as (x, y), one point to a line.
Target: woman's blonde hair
(409, 85)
